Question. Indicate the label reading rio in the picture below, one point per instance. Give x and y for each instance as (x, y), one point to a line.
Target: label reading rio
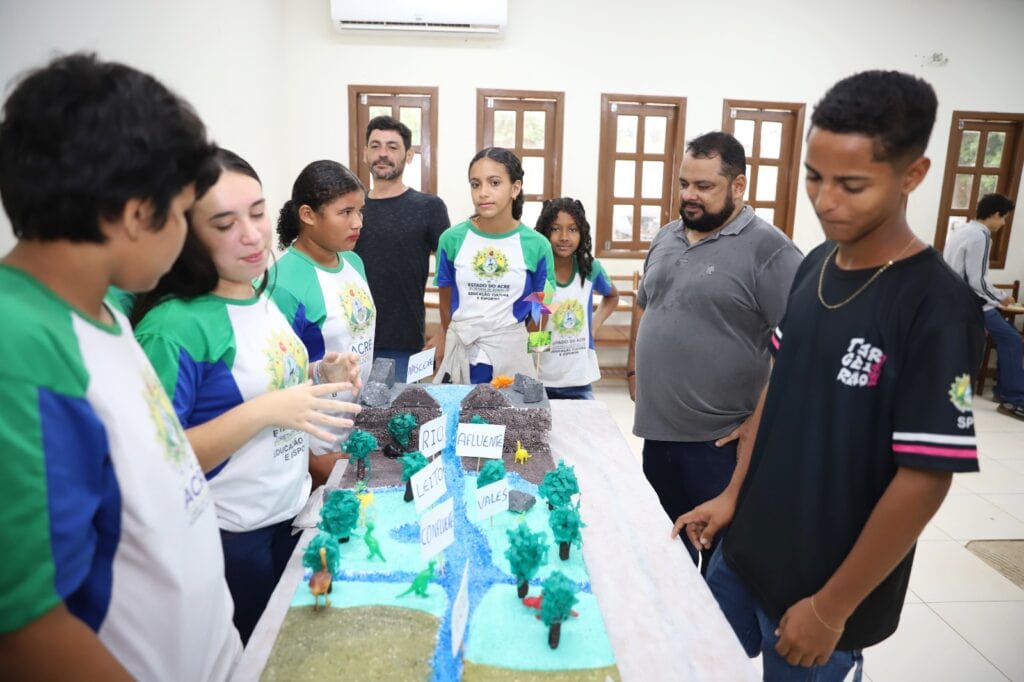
(433, 436)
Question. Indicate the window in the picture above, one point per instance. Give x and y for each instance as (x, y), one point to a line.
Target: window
(771, 134)
(985, 154)
(641, 149)
(416, 107)
(529, 124)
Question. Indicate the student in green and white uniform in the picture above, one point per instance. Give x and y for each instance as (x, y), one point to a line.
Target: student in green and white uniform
(112, 565)
(570, 367)
(320, 284)
(486, 268)
(236, 373)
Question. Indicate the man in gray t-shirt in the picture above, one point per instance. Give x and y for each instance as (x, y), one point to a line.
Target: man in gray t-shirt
(714, 288)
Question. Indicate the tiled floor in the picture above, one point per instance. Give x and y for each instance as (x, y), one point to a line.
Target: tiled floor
(962, 620)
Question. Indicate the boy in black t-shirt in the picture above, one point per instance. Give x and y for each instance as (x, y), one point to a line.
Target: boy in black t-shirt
(868, 409)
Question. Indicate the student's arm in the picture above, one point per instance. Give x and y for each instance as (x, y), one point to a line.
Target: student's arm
(57, 646)
(976, 252)
(301, 407)
(605, 308)
(704, 521)
(638, 312)
(808, 632)
(444, 309)
(610, 297)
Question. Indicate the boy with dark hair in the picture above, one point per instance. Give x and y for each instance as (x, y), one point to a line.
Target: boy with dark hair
(967, 251)
(112, 565)
(868, 409)
(401, 227)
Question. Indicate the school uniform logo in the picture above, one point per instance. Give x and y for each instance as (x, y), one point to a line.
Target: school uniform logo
(861, 365)
(286, 360)
(358, 308)
(490, 263)
(175, 448)
(569, 319)
(960, 393)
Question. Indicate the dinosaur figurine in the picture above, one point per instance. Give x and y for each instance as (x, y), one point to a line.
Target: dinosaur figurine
(521, 454)
(538, 602)
(371, 542)
(420, 582)
(320, 582)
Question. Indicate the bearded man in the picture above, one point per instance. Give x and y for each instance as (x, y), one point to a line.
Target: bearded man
(401, 227)
(714, 289)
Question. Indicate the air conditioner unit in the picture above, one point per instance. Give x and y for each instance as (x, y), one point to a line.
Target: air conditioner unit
(480, 17)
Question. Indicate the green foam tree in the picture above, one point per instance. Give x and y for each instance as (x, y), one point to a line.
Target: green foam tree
(311, 557)
(492, 470)
(412, 462)
(557, 599)
(400, 426)
(565, 527)
(340, 514)
(359, 445)
(526, 552)
(477, 419)
(559, 485)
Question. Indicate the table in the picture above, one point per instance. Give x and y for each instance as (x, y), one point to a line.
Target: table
(661, 619)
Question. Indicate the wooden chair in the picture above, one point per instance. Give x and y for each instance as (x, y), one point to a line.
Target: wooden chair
(985, 371)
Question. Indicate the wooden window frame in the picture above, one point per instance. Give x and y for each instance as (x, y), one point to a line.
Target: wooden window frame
(1013, 161)
(553, 132)
(787, 173)
(427, 149)
(608, 154)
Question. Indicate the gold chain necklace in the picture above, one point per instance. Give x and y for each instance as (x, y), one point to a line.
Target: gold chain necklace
(878, 273)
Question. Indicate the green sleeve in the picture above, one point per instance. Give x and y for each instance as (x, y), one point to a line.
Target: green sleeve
(164, 355)
(352, 258)
(293, 284)
(27, 572)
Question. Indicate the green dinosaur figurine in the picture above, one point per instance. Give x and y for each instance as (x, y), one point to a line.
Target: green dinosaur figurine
(371, 542)
(420, 582)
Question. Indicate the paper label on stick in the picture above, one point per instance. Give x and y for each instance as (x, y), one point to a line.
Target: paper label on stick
(460, 612)
(491, 499)
(433, 435)
(420, 365)
(437, 529)
(480, 440)
(429, 484)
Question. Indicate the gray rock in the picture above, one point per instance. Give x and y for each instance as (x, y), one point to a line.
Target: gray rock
(375, 394)
(518, 501)
(519, 381)
(383, 372)
(533, 391)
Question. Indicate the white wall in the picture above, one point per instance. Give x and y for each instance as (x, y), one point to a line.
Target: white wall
(270, 77)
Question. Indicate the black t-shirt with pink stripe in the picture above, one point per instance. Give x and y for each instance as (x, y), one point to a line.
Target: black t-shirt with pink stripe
(882, 382)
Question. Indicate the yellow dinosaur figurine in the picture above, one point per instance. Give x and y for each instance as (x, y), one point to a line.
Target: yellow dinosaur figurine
(521, 454)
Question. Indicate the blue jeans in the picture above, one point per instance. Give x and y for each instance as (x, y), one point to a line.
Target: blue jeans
(756, 631)
(688, 474)
(401, 358)
(253, 563)
(1009, 386)
(570, 392)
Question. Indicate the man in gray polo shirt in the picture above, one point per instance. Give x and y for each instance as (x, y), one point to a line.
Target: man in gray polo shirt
(714, 288)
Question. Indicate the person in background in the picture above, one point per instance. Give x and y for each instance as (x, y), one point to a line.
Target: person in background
(571, 366)
(967, 251)
(487, 268)
(401, 227)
